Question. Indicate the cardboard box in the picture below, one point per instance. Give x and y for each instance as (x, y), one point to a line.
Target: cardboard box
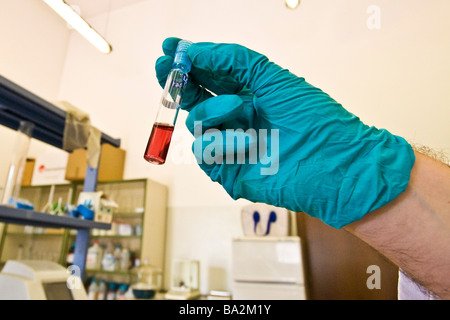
(28, 171)
(112, 162)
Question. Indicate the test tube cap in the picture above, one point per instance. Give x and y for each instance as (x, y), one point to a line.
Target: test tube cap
(181, 56)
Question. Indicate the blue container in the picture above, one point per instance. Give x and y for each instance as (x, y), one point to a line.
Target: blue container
(85, 212)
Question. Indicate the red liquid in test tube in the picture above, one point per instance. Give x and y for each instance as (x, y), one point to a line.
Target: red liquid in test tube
(158, 143)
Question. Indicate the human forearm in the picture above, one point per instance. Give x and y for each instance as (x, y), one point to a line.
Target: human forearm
(413, 231)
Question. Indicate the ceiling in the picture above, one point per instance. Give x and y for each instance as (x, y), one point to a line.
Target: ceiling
(91, 8)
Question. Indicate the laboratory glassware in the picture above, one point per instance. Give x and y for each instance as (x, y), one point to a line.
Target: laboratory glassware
(13, 182)
(146, 281)
(161, 135)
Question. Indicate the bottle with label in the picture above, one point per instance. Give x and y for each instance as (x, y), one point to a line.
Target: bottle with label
(108, 258)
(102, 290)
(93, 290)
(112, 288)
(94, 256)
(117, 257)
(122, 291)
(125, 260)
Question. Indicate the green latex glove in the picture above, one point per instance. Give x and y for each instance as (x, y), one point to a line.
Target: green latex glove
(330, 164)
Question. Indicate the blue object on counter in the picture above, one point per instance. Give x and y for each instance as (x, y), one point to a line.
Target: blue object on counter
(27, 206)
(84, 211)
(71, 211)
(74, 213)
(21, 203)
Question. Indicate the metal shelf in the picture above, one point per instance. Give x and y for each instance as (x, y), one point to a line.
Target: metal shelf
(18, 104)
(39, 219)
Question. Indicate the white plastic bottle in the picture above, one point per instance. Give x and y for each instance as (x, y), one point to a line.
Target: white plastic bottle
(125, 260)
(117, 257)
(102, 290)
(93, 290)
(122, 291)
(111, 295)
(108, 258)
(94, 256)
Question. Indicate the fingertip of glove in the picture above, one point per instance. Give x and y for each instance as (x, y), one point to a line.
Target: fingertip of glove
(162, 63)
(162, 67)
(169, 45)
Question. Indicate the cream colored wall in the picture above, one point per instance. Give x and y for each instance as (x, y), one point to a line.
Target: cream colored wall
(33, 45)
(396, 77)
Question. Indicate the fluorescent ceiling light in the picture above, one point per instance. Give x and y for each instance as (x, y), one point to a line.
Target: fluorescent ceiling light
(79, 24)
(292, 4)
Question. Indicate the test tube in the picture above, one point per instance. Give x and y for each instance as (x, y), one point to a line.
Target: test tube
(159, 141)
(13, 182)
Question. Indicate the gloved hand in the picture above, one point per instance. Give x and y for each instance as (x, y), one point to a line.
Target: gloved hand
(331, 165)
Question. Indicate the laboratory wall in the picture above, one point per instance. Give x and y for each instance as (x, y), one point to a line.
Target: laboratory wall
(384, 60)
(33, 46)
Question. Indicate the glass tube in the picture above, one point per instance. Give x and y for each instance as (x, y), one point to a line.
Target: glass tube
(13, 182)
(159, 141)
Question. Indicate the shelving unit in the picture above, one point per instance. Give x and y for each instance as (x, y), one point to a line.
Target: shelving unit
(18, 104)
(142, 210)
(142, 205)
(48, 241)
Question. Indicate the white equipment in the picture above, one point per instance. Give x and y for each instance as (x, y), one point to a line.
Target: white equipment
(267, 268)
(39, 280)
